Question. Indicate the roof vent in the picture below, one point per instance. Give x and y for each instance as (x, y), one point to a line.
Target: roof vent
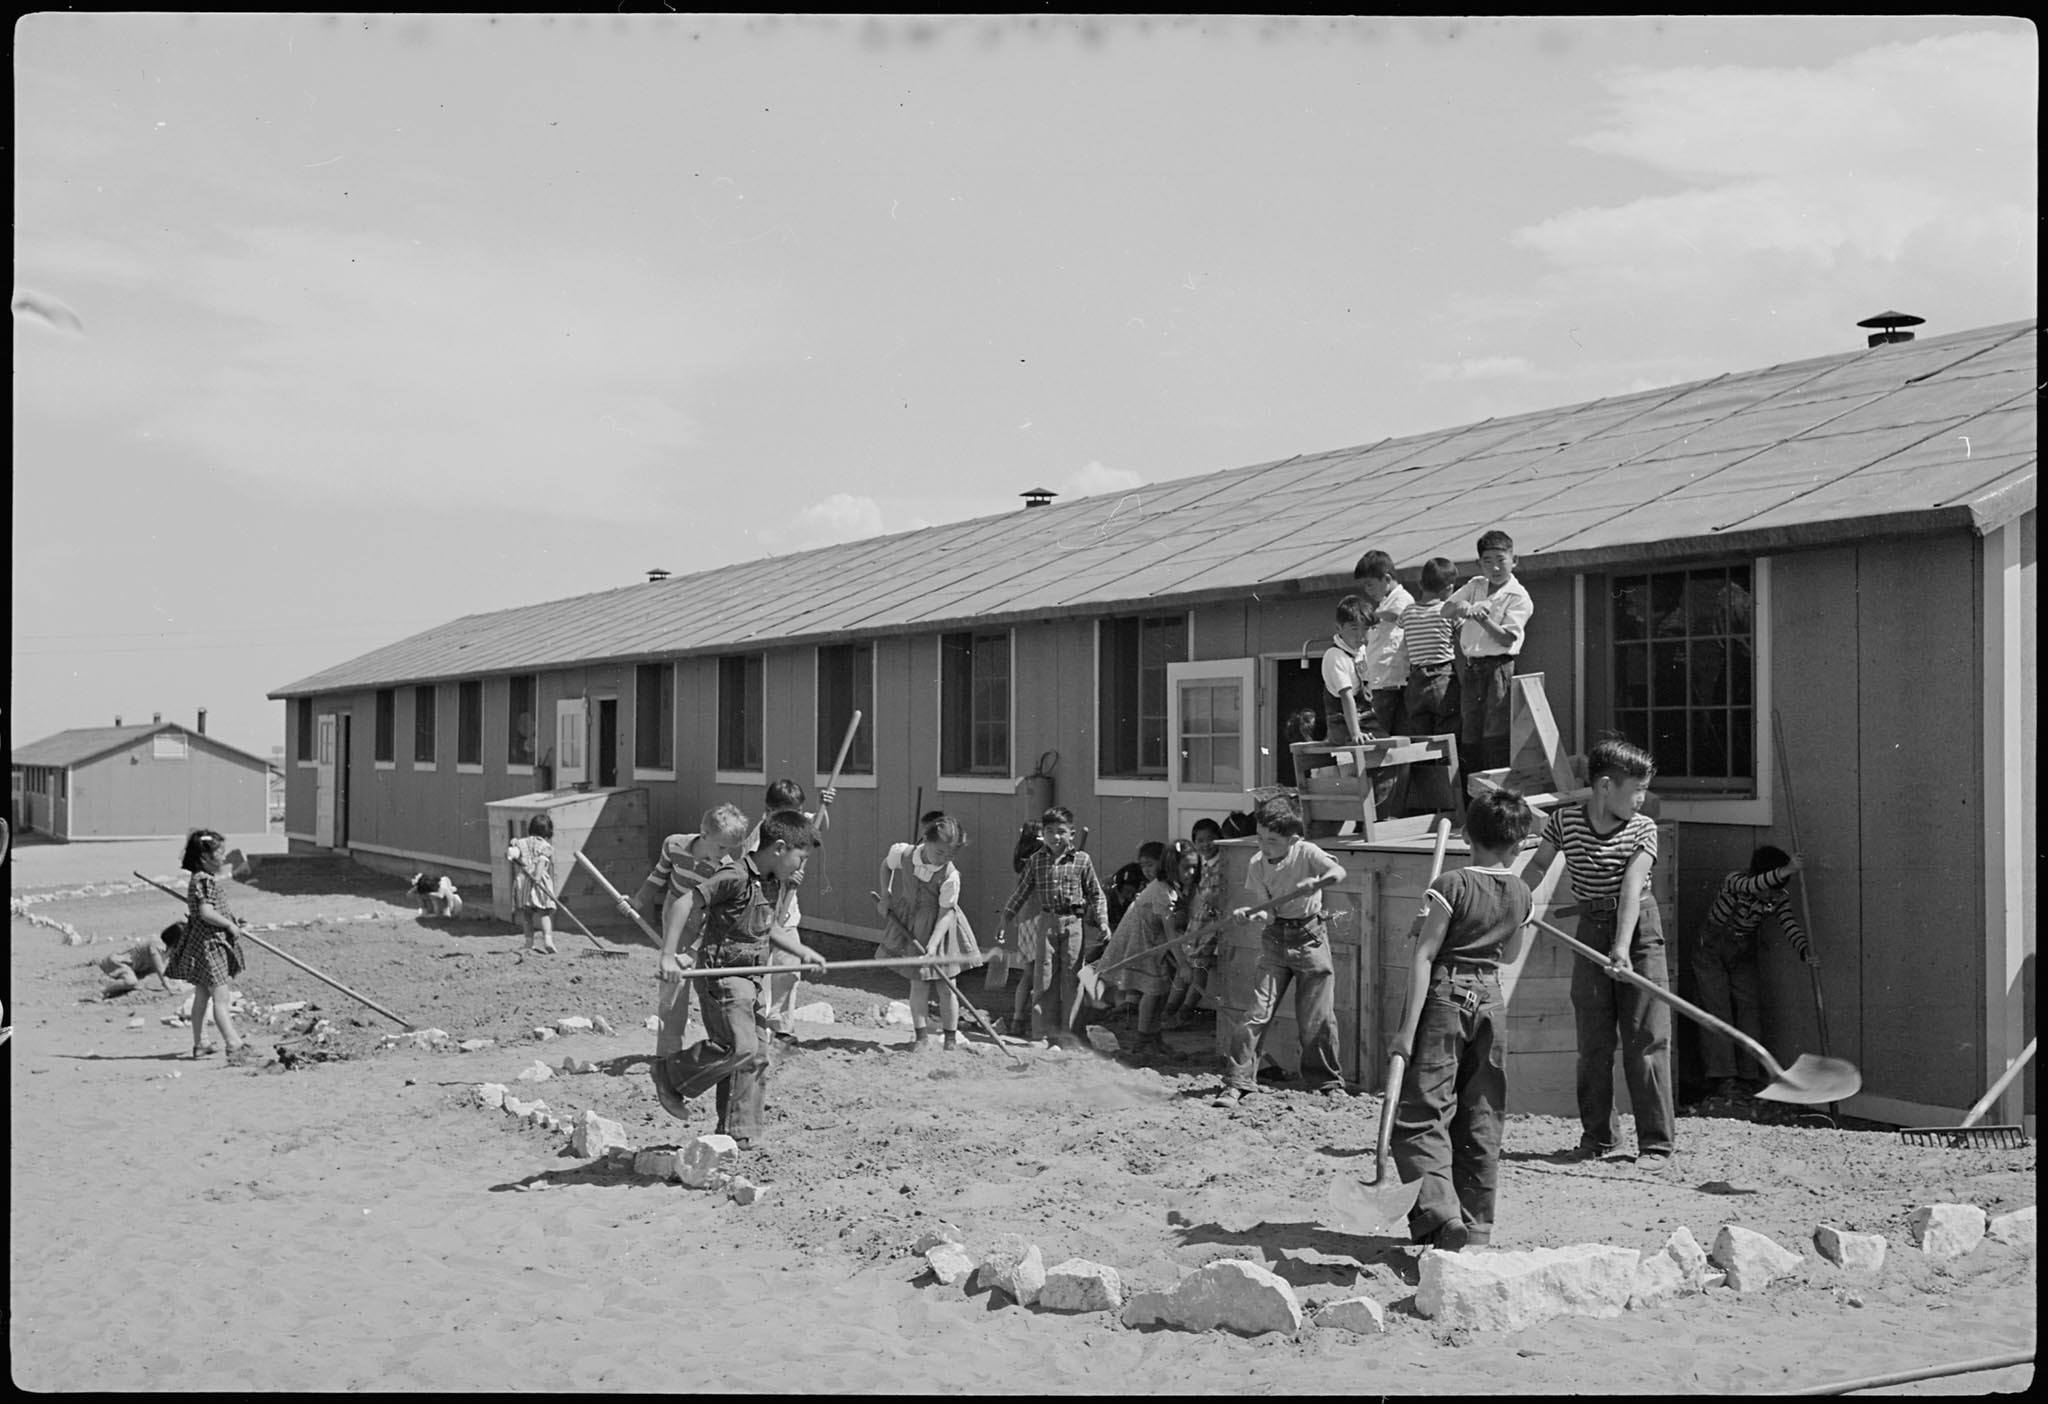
(117, 719)
(156, 719)
(1888, 326)
(656, 576)
(1038, 497)
(202, 721)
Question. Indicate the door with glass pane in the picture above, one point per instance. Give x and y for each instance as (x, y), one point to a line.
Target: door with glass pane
(1212, 734)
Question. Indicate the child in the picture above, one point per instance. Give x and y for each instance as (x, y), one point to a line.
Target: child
(1022, 953)
(1198, 958)
(778, 992)
(149, 956)
(1062, 878)
(1143, 933)
(1495, 609)
(1385, 658)
(735, 1053)
(1294, 949)
(1724, 960)
(1609, 849)
(208, 953)
(436, 895)
(1431, 697)
(533, 883)
(687, 861)
(1454, 1034)
(1342, 720)
(920, 908)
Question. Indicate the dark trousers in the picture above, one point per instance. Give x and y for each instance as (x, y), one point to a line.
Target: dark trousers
(1389, 712)
(1612, 1014)
(1726, 985)
(1309, 970)
(1483, 687)
(1447, 1126)
(1055, 974)
(733, 1055)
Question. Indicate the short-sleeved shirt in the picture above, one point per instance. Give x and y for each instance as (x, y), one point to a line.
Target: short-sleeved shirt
(1340, 668)
(1509, 607)
(1264, 881)
(739, 908)
(790, 912)
(678, 870)
(1426, 635)
(1487, 907)
(1595, 861)
(1384, 659)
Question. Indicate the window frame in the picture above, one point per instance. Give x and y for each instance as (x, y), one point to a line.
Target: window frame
(469, 725)
(741, 774)
(430, 713)
(826, 736)
(384, 728)
(514, 766)
(987, 780)
(303, 752)
(1140, 784)
(656, 770)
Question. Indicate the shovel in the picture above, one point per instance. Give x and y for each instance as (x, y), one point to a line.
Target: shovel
(548, 889)
(1971, 1136)
(1376, 1206)
(973, 1009)
(1088, 979)
(1810, 1080)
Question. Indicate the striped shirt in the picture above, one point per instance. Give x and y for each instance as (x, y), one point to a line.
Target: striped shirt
(1744, 903)
(1595, 861)
(679, 870)
(1064, 886)
(1427, 631)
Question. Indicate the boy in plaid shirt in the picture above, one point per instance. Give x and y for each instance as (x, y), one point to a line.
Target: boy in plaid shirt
(1724, 961)
(1063, 880)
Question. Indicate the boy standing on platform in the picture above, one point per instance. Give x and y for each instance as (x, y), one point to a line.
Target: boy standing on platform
(1384, 662)
(1494, 609)
(1342, 719)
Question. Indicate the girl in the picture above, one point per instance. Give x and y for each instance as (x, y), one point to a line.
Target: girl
(208, 954)
(920, 908)
(1184, 1004)
(533, 883)
(1147, 927)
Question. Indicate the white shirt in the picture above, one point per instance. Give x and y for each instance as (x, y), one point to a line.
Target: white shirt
(1384, 656)
(1340, 667)
(949, 890)
(1509, 608)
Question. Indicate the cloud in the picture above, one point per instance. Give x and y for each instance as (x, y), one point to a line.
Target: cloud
(840, 517)
(1096, 477)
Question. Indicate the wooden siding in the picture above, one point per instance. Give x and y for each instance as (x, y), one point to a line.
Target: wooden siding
(132, 793)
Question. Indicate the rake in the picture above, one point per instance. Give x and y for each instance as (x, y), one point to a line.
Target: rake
(1969, 1135)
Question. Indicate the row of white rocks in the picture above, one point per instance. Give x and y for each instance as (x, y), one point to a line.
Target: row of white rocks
(708, 1162)
(1486, 1291)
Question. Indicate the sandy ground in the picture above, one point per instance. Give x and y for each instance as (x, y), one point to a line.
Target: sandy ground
(352, 1222)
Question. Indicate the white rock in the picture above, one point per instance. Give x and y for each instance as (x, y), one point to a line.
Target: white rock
(1360, 1314)
(742, 1190)
(572, 1023)
(652, 1023)
(539, 1072)
(1014, 1266)
(136, 1022)
(1714, 1279)
(1945, 1231)
(816, 1012)
(596, 1135)
(1079, 1285)
(940, 1232)
(2014, 1230)
(602, 1025)
(288, 1007)
(1751, 1259)
(705, 1158)
(1658, 1276)
(490, 1094)
(1102, 1040)
(1507, 1291)
(1852, 1252)
(897, 1015)
(950, 1263)
(1682, 1248)
(578, 1065)
(543, 1035)
(1231, 1295)
(476, 1045)
(522, 1110)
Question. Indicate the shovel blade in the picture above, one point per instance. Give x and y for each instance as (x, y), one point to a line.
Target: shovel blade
(1380, 1209)
(1090, 983)
(1813, 1080)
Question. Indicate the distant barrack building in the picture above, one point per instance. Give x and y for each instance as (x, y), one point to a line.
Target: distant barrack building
(1848, 540)
(155, 781)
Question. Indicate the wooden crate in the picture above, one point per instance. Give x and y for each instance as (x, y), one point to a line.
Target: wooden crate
(1337, 782)
(610, 825)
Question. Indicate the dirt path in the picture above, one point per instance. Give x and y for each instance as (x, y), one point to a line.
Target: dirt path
(355, 1223)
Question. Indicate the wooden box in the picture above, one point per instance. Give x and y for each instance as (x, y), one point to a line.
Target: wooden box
(611, 825)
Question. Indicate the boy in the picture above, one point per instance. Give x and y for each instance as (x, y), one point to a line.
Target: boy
(778, 992)
(1724, 960)
(1495, 609)
(1063, 880)
(739, 930)
(1454, 1093)
(1430, 699)
(1385, 658)
(687, 861)
(1184, 1003)
(1294, 949)
(1609, 848)
(1342, 720)
(150, 956)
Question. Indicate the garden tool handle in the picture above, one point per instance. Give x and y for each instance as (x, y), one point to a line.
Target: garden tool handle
(1397, 1064)
(2004, 1081)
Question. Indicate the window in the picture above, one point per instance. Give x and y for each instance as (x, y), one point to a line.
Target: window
(168, 745)
(654, 716)
(1212, 736)
(469, 723)
(974, 704)
(846, 684)
(1685, 674)
(305, 752)
(387, 724)
(739, 712)
(423, 717)
(519, 720)
(1131, 692)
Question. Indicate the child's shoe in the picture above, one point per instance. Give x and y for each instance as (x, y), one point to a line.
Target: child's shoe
(921, 1043)
(951, 1041)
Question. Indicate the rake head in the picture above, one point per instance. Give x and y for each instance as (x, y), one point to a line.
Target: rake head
(1965, 1137)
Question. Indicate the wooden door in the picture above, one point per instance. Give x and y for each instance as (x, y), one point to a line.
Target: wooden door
(323, 781)
(1212, 740)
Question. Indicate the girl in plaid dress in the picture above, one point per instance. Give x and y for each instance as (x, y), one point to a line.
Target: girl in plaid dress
(920, 910)
(209, 954)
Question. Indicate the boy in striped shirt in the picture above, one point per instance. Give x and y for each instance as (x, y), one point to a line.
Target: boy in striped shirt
(1724, 960)
(1609, 847)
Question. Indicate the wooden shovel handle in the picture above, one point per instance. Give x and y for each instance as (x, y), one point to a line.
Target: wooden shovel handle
(2004, 1081)
(1397, 1062)
(1300, 889)
(832, 782)
(613, 893)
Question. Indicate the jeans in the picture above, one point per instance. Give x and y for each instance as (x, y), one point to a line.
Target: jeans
(1309, 970)
(1483, 687)
(1432, 702)
(1611, 1014)
(1055, 973)
(1447, 1125)
(1389, 714)
(1724, 972)
(733, 1055)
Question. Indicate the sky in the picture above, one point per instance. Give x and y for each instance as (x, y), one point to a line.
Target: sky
(331, 329)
